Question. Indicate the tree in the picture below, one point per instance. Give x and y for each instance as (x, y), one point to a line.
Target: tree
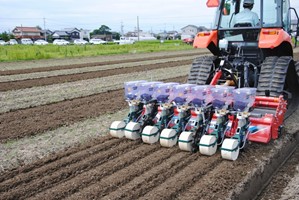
(4, 36)
(101, 31)
(104, 30)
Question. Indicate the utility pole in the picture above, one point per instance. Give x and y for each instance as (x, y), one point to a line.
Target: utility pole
(138, 27)
(45, 29)
(122, 28)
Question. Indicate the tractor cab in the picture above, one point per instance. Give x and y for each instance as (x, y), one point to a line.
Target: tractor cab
(253, 29)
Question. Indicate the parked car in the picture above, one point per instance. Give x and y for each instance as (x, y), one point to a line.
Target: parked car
(41, 42)
(12, 42)
(60, 42)
(80, 42)
(124, 40)
(26, 41)
(188, 40)
(2, 42)
(97, 41)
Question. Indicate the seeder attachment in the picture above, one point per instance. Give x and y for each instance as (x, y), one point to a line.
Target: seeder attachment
(117, 128)
(220, 123)
(243, 100)
(178, 97)
(151, 133)
(143, 107)
(201, 112)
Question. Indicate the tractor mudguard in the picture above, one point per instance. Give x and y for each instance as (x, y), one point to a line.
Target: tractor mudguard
(204, 39)
(271, 38)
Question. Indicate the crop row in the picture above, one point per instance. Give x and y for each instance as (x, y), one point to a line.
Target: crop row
(18, 77)
(32, 97)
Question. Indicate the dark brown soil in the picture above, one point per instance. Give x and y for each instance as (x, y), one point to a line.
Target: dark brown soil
(15, 85)
(281, 179)
(74, 66)
(18, 123)
(124, 169)
(111, 168)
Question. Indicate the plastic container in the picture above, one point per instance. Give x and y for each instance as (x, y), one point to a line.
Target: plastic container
(243, 98)
(132, 89)
(162, 91)
(222, 96)
(180, 93)
(201, 95)
(146, 90)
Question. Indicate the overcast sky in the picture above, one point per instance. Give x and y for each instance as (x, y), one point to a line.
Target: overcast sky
(154, 15)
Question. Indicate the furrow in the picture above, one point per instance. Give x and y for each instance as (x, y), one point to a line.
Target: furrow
(153, 177)
(39, 169)
(37, 82)
(62, 175)
(100, 70)
(219, 181)
(121, 177)
(88, 178)
(37, 96)
(55, 115)
(183, 179)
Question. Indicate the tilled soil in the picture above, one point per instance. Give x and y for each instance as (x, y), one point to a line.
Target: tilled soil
(15, 85)
(284, 184)
(109, 168)
(122, 169)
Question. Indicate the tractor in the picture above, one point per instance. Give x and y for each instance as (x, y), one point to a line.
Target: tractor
(253, 78)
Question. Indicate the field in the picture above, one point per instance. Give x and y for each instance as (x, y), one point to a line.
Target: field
(54, 120)
(33, 52)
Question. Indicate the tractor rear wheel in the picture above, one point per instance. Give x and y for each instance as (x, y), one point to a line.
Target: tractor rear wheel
(278, 76)
(201, 69)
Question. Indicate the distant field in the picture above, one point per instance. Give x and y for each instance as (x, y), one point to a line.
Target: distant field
(32, 52)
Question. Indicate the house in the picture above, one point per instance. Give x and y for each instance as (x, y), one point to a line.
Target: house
(60, 35)
(191, 30)
(27, 32)
(73, 33)
(46, 33)
(85, 34)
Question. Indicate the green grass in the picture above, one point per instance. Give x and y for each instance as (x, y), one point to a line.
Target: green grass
(31, 52)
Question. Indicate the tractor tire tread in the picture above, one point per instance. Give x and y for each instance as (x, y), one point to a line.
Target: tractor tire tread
(273, 75)
(200, 70)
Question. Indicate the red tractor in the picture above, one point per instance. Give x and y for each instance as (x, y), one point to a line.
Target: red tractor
(253, 55)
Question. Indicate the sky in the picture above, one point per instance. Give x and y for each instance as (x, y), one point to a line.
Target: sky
(154, 15)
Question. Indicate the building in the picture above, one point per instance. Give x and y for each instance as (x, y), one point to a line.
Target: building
(60, 35)
(85, 34)
(33, 33)
(191, 30)
(73, 33)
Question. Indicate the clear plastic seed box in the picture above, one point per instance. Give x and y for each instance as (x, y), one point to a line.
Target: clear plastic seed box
(146, 91)
(243, 99)
(180, 93)
(132, 89)
(222, 96)
(162, 91)
(200, 96)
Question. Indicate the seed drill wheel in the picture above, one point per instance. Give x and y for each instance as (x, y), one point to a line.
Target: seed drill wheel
(117, 129)
(150, 134)
(132, 131)
(168, 138)
(208, 145)
(186, 140)
(230, 149)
